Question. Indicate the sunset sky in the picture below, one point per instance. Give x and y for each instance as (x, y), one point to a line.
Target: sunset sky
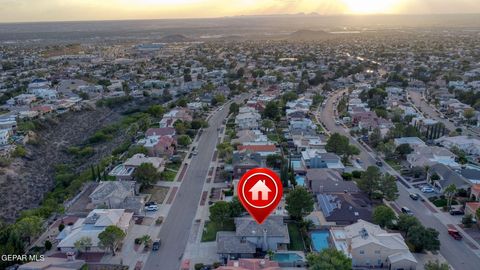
(68, 10)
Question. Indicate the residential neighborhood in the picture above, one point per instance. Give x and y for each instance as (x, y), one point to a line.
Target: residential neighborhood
(127, 152)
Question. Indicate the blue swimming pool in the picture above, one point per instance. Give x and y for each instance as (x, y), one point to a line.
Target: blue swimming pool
(296, 164)
(286, 257)
(320, 240)
(300, 180)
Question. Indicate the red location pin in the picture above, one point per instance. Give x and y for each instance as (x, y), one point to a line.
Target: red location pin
(260, 190)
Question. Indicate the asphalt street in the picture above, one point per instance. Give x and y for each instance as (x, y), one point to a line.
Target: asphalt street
(457, 253)
(176, 227)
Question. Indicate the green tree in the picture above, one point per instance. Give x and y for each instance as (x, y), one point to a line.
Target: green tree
(369, 182)
(146, 239)
(375, 138)
(388, 186)
(146, 175)
(156, 111)
(467, 220)
(329, 259)
(48, 245)
(111, 238)
(299, 203)
(220, 212)
(338, 144)
(29, 227)
(423, 238)
(271, 110)
(236, 208)
(436, 265)
(383, 216)
(234, 108)
(274, 161)
(405, 222)
(184, 140)
(403, 150)
(83, 244)
(225, 150)
(268, 124)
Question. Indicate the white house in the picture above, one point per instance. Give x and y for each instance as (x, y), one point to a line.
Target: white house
(430, 155)
(91, 226)
(369, 246)
(469, 145)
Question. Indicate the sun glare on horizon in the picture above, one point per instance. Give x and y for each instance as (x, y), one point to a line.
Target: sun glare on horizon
(370, 6)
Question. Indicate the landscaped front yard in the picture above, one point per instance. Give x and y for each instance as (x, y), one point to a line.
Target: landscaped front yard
(211, 228)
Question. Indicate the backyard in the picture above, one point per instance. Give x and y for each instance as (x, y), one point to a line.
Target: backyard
(296, 239)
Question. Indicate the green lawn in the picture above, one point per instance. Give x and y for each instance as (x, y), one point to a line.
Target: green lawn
(168, 175)
(394, 164)
(296, 240)
(211, 228)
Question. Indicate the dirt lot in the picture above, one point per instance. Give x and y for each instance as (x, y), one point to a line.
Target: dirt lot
(158, 193)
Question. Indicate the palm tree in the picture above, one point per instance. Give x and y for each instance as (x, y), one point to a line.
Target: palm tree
(449, 192)
(145, 239)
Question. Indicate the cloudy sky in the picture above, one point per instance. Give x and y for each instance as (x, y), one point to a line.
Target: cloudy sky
(68, 10)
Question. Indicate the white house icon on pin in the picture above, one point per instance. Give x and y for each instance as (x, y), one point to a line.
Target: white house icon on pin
(260, 187)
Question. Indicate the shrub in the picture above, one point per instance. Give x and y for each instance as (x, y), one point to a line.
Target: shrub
(61, 227)
(137, 241)
(357, 174)
(198, 266)
(48, 245)
(347, 176)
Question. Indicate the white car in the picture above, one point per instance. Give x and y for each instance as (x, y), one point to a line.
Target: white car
(152, 207)
(428, 190)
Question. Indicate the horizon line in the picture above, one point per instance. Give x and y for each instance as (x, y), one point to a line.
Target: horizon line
(304, 14)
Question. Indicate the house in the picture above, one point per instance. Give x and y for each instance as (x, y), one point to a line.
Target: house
(53, 263)
(139, 159)
(263, 149)
(314, 159)
(412, 141)
(158, 145)
(343, 208)
(249, 236)
(243, 162)
(175, 115)
(250, 264)
(475, 192)
(249, 136)
(473, 175)
(471, 208)
(328, 181)
(168, 131)
(469, 145)
(260, 188)
(429, 155)
(91, 226)
(369, 246)
(248, 119)
(303, 124)
(117, 195)
(447, 177)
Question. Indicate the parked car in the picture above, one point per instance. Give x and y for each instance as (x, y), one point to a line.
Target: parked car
(379, 163)
(156, 245)
(414, 196)
(428, 190)
(150, 203)
(455, 234)
(406, 211)
(153, 207)
(456, 212)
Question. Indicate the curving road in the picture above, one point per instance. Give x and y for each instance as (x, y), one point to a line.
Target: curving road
(458, 253)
